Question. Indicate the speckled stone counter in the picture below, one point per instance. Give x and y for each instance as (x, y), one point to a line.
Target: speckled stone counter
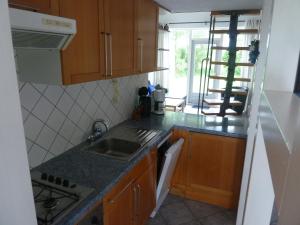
(102, 173)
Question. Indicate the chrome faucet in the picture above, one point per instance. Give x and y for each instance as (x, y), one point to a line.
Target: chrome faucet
(97, 132)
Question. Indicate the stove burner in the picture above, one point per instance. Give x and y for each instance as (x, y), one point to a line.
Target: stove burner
(50, 203)
(53, 200)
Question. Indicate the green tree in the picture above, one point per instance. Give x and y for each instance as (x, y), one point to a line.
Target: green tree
(225, 58)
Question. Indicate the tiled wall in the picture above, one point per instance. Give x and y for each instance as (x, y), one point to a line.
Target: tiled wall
(59, 117)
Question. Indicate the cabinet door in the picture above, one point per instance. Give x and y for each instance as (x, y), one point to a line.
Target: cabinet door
(119, 26)
(119, 210)
(42, 6)
(180, 173)
(215, 168)
(145, 196)
(83, 60)
(146, 36)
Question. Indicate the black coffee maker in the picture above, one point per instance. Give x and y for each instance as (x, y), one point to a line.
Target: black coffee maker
(144, 102)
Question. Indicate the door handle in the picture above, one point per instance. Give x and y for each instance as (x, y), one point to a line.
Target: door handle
(141, 44)
(110, 54)
(114, 200)
(135, 207)
(138, 199)
(105, 52)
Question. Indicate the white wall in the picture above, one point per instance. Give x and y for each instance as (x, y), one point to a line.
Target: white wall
(284, 46)
(261, 195)
(257, 89)
(16, 199)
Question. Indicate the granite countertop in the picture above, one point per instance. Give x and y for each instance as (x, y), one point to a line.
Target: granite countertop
(102, 173)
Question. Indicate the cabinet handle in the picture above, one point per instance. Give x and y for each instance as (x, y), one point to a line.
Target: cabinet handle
(138, 200)
(114, 200)
(105, 53)
(110, 54)
(141, 53)
(25, 7)
(135, 207)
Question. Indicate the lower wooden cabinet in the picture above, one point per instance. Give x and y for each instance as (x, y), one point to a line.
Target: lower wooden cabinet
(179, 178)
(133, 199)
(144, 190)
(119, 210)
(210, 169)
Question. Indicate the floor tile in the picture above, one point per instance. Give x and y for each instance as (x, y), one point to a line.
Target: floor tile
(200, 209)
(218, 219)
(176, 213)
(179, 211)
(171, 199)
(157, 220)
(194, 222)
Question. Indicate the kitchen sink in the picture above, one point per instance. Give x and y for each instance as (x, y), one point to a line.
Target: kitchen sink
(116, 148)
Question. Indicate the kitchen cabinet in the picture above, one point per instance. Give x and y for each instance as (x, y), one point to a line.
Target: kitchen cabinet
(146, 36)
(145, 187)
(41, 6)
(119, 27)
(213, 169)
(84, 59)
(179, 177)
(114, 38)
(103, 47)
(119, 210)
(133, 199)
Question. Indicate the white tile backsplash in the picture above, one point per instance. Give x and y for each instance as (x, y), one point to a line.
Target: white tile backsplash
(29, 96)
(58, 117)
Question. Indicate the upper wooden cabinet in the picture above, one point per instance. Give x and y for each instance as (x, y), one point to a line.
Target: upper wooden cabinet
(114, 37)
(41, 6)
(119, 27)
(146, 35)
(84, 59)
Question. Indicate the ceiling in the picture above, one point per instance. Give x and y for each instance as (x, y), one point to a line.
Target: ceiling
(209, 5)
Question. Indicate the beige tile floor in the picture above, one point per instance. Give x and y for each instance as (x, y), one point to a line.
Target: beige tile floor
(179, 211)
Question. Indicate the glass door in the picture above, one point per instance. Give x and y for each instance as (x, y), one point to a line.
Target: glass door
(198, 53)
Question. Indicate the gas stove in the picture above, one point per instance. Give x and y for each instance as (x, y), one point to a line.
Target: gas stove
(54, 197)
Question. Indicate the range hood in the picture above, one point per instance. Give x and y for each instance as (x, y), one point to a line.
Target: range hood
(38, 40)
(41, 31)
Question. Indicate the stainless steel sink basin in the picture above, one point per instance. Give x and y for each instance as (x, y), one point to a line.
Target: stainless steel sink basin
(116, 148)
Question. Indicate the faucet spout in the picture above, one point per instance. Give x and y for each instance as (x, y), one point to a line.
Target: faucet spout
(97, 132)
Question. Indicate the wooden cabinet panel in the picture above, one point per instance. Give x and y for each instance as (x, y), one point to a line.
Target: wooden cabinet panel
(215, 168)
(119, 24)
(145, 190)
(179, 177)
(41, 6)
(132, 200)
(119, 210)
(146, 36)
(83, 60)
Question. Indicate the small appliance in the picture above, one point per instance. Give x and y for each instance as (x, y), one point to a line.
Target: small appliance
(144, 102)
(159, 101)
